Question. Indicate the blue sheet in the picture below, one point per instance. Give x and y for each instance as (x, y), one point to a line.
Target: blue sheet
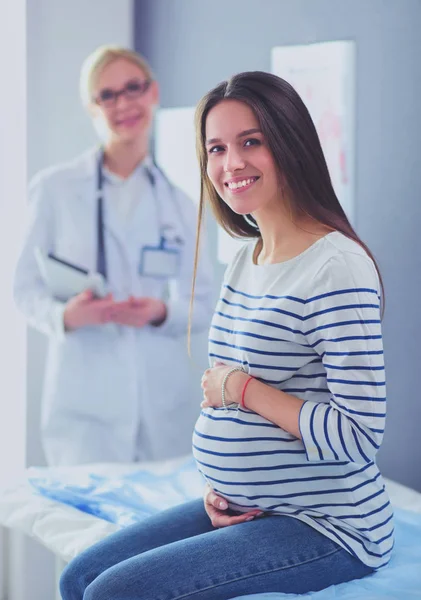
(133, 497)
(124, 500)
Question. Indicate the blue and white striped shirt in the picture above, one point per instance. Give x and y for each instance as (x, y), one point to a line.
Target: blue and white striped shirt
(309, 326)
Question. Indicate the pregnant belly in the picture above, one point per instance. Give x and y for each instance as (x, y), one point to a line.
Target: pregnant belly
(242, 456)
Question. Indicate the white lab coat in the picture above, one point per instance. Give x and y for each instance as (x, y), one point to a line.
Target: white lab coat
(113, 393)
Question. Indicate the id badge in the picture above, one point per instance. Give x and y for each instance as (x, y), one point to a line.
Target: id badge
(159, 262)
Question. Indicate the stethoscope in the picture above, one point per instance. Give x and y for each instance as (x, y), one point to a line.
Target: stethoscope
(101, 263)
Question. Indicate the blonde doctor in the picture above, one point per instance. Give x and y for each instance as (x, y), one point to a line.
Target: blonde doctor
(118, 383)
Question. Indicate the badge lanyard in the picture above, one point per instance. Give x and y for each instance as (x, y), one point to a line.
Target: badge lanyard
(162, 261)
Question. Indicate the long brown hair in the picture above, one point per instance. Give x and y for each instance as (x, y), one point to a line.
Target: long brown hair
(292, 139)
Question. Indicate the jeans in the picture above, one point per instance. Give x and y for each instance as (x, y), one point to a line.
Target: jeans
(177, 554)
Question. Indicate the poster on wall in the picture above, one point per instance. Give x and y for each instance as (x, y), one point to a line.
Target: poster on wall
(324, 76)
(175, 152)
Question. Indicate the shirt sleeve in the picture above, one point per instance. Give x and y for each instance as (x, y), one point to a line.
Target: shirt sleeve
(178, 304)
(31, 295)
(342, 323)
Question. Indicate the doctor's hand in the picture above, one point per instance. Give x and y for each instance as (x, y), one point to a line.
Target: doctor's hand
(138, 312)
(84, 309)
(212, 386)
(216, 507)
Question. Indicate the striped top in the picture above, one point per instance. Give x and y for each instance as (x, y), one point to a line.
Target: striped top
(309, 326)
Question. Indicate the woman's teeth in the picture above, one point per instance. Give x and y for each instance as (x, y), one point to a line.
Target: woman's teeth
(234, 185)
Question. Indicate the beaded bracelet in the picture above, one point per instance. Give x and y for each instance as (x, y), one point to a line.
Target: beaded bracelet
(224, 382)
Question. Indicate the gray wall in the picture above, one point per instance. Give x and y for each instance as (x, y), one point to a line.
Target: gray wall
(194, 44)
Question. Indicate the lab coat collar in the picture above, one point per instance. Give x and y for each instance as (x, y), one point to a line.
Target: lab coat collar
(89, 162)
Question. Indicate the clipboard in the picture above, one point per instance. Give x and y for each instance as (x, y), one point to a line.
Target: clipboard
(65, 279)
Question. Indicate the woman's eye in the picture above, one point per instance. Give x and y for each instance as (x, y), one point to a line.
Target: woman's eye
(252, 142)
(215, 149)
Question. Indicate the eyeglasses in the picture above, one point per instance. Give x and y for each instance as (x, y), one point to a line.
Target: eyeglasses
(131, 91)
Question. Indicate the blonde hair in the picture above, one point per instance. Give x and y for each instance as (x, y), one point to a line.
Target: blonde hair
(96, 62)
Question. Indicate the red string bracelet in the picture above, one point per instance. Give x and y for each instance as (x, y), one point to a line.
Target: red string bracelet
(244, 392)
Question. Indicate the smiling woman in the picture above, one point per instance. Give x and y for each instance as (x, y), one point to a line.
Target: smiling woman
(295, 341)
(293, 405)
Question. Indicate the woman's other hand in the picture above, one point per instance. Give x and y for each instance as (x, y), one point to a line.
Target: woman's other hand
(216, 507)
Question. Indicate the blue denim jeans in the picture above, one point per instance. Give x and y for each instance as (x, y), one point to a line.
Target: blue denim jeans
(177, 554)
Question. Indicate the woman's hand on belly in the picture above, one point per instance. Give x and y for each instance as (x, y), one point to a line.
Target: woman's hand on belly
(216, 508)
(212, 386)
